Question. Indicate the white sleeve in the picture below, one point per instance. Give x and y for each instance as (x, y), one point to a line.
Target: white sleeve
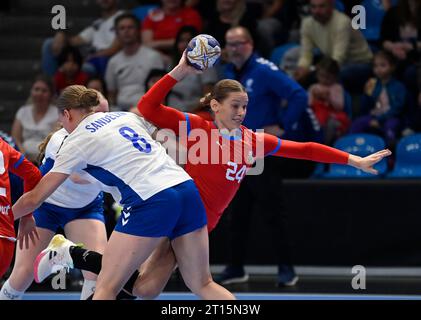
(20, 115)
(69, 159)
(150, 128)
(54, 145)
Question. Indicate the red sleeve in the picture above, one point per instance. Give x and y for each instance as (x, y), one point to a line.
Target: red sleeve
(166, 117)
(303, 150)
(24, 169)
(147, 24)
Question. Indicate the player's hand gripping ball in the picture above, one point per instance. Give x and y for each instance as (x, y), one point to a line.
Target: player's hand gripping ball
(203, 52)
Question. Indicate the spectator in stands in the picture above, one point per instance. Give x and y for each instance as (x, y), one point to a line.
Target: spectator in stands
(153, 77)
(400, 34)
(277, 21)
(187, 92)
(327, 99)
(34, 121)
(69, 72)
(98, 84)
(161, 26)
(330, 31)
(99, 38)
(230, 13)
(279, 105)
(375, 11)
(383, 101)
(128, 69)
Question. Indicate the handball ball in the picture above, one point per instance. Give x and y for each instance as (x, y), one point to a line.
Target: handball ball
(203, 51)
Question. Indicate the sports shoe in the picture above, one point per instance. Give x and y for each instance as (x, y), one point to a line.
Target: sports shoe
(54, 258)
(232, 275)
(286, 276)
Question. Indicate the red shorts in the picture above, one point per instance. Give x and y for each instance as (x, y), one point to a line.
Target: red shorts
(7, 249)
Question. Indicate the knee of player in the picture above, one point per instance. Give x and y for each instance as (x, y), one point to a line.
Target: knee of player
(146, 293)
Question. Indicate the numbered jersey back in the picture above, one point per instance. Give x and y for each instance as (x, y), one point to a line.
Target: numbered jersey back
(117, 149)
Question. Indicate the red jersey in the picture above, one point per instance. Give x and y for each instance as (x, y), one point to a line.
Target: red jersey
(167, 26)
(61, 82)
(218, 178)
(13, 161)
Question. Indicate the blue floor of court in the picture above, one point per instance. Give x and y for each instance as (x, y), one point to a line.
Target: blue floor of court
(240, 296)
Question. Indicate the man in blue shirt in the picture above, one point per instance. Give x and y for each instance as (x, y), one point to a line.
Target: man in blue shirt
(278, 105)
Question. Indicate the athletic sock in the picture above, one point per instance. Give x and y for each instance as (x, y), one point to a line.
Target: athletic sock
(86, 260)
(8, 293)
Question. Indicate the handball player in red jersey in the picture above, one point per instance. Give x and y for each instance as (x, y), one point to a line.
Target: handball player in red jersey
(219, 154)
(13, 161)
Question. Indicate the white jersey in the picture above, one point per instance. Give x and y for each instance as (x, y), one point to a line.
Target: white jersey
(69, 194)
(116, 148)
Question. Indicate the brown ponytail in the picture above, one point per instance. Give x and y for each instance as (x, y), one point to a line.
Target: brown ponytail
(43, 145)
(77, 97)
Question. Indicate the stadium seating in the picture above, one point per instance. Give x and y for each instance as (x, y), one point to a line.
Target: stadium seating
(360, 145)
(408, 158)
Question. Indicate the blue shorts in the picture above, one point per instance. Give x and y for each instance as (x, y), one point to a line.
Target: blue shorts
(170, 213)
(52, 217)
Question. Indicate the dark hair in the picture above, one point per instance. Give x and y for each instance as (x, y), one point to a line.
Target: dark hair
(154, 73)
(46, 79)
(185, 29)
(329, 65)
(104, 85)
(126, 15)
(77, 97)
(406, 16)
(221, 90)
(70, 51)
(389, 57)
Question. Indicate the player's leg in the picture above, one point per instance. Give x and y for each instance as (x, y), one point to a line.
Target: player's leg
(123, 255)
(23, 271)
(192, 254)
(155, 272)
(191, 246)
(92, 233)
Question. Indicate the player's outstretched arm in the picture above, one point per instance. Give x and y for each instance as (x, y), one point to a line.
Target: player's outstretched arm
(33, 199)
(321, 153)
(366, 164)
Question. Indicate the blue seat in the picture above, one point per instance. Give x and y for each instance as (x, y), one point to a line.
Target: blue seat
(142, 11)
(361, 145)
(408, 158)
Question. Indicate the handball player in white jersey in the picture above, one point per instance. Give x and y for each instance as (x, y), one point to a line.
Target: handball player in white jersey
(159, 198)
(76, 206)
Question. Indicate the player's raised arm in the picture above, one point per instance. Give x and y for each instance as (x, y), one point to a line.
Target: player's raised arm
(151, 107)
(321, 153)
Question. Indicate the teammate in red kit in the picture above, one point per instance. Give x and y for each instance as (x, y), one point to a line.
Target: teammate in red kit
(13, 161)
(217, 175)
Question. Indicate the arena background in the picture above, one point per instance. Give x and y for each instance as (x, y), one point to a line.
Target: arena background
(333, 224)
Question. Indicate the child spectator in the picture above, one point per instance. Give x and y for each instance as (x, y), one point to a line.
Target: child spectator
(70, 63)
(326, 98)
(383, 100)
